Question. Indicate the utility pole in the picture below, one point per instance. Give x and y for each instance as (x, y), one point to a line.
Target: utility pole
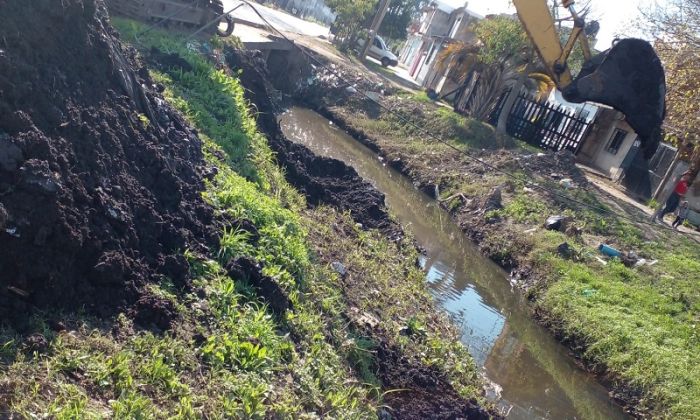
(374, 27)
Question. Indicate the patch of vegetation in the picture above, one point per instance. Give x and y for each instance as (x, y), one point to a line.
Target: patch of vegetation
(422, 97)
(384, 284)
(442, 121)
(640, 323)
(227, 354)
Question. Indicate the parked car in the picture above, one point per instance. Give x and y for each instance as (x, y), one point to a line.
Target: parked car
(380, 51)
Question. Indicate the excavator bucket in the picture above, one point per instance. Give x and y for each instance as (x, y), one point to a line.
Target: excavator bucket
(628, 77)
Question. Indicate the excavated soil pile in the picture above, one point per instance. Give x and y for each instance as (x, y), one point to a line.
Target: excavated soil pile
(322, 180)
(99, 178)
(421, 392)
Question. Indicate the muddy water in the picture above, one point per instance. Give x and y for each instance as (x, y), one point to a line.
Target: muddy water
(534, 376)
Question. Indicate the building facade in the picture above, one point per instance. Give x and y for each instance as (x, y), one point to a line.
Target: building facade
(438, 26)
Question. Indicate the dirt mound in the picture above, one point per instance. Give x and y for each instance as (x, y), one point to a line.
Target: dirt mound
(99, 178)
(329, 181)
(421, 392)
(322, 180)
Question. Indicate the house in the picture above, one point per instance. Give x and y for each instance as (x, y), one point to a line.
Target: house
(608, 143)
(438, 25)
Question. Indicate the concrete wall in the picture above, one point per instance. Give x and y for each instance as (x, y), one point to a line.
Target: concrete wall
(594, 151)
(435, 22)
(460, 29)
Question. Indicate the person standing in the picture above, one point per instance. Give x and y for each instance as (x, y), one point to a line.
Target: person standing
(674, 199)
(681, 214)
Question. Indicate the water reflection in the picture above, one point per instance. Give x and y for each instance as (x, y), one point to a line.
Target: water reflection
(535, 375)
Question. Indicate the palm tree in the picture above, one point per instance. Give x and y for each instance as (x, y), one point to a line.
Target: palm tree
(459, 59)
(461, 62)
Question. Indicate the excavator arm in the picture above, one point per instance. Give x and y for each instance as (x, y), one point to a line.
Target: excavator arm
(628, 77)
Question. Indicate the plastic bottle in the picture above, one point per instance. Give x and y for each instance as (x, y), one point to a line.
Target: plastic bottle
(609, 251)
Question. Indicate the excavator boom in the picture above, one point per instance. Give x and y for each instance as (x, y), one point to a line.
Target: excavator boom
(628, 77)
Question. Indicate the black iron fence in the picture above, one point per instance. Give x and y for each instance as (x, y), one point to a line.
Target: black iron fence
(543, 124)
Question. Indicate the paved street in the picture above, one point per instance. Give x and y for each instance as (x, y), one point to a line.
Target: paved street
(302, 32)
(280, 20)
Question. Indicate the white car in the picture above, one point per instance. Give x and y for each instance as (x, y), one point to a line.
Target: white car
(380, 51)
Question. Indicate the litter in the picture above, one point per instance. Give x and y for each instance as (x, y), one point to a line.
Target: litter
(556, 223)
(567, 183)
(609, 251)
(339, 268)
(589, 292)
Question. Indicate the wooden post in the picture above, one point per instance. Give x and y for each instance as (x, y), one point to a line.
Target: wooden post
(374, 27)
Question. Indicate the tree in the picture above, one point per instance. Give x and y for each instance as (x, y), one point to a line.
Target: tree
(498, 59)
(502, 37)
(351, 17)
(506, 43)
(676, 26)
(398, 17)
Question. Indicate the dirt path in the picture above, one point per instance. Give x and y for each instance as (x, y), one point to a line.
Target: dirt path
(625, 204)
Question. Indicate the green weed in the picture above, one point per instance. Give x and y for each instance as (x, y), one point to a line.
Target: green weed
(228, 357)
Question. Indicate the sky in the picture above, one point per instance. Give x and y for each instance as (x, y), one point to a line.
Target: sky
(615, 16)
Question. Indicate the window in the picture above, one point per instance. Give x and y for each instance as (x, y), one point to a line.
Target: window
(616, 141)
(378, 44)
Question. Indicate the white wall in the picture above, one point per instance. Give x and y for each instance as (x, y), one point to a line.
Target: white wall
(587, 107)
(411, 48)
(315, 8)
(597, 155)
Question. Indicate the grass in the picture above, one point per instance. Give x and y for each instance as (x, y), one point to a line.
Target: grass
(228, 355)
(457, 130)
(639, 323)
(385, 282)
(422, 97)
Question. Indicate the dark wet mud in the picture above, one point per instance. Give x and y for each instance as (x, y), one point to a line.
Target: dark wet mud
(99, 178)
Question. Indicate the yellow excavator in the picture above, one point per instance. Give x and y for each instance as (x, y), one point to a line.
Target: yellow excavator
(628, 77)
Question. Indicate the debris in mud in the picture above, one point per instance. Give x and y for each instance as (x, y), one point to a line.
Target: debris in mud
(565, 251)
(492, 201)
(339, 268)
(609, 251)
(35, 343)
(93, 199)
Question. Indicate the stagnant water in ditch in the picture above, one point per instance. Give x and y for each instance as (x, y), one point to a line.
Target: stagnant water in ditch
(535, 376)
